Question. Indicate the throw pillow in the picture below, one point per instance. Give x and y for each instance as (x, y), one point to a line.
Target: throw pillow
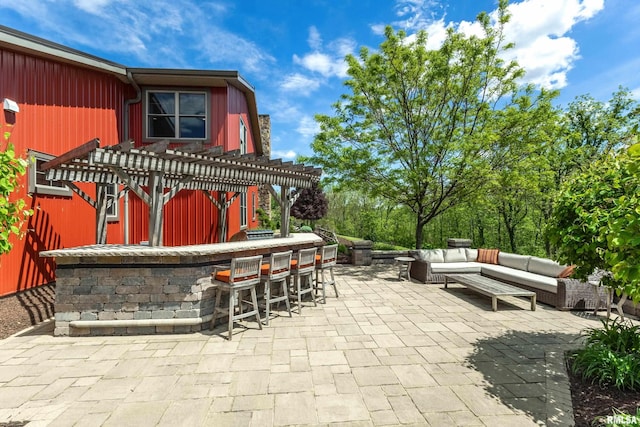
(488, 256)
(567, 272)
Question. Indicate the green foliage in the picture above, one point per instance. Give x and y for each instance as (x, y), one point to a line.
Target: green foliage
(306, 229)
(264, 220)
(596, 221)
(13, 213)
(420, 127)
(611, 355)
(381, 246)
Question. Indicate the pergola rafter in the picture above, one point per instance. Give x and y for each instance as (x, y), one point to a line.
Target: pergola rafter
(156, 173)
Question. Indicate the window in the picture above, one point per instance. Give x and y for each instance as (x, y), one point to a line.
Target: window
(113, 211)
(253, 206)
(243, 196)
(38, 182)
(243, 137)
(243, 209)
(181, 115)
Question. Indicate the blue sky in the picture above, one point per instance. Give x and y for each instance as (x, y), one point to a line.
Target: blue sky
(292, 51)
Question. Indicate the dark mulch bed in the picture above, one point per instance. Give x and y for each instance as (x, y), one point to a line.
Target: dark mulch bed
(590, 402)
(25, 309)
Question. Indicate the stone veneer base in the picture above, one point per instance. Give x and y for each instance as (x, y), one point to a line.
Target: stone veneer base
(164, 290)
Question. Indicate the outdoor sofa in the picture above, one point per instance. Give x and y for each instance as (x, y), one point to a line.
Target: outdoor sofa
(548, 279)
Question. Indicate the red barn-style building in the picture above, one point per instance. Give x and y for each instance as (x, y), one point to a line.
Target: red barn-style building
(65, 98)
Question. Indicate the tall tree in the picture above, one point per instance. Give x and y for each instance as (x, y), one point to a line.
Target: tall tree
(417, 128)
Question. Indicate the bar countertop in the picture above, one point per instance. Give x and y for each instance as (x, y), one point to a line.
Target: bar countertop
(120, 254)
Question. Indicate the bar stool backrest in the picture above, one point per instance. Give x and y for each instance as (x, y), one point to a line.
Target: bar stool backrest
(280, 265)
(245, 270)
(328, 256)
(306, 261)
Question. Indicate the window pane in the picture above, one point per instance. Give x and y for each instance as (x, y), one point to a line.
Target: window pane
(162, 103)
(192, 127)
(192, 104)
(41, 178)
(162, 127)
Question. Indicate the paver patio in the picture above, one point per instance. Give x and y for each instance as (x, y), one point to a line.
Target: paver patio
(387, 352)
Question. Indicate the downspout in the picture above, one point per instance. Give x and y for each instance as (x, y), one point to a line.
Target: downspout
(125, 131)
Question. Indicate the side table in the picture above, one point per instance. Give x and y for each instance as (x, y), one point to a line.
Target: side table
(404, 263)
(618, 306)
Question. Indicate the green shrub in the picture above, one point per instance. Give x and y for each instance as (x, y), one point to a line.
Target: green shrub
(611, 355)
(306, 229)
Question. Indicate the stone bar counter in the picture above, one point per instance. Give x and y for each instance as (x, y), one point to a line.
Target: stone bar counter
(135, 289)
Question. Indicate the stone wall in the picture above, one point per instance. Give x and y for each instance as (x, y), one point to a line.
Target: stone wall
(132, 293)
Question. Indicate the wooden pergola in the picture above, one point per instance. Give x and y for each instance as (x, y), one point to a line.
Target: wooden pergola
(156, 174)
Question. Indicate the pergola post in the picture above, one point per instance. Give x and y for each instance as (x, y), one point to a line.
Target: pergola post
(101, 213)
(156, 208)
(222, 217)
(285, 211)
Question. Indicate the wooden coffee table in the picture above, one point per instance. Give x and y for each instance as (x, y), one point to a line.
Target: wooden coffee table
(490, 287)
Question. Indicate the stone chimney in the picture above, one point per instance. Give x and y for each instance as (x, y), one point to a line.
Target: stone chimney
(264, 197)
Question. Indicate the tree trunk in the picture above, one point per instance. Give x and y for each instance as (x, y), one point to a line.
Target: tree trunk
(419, 233)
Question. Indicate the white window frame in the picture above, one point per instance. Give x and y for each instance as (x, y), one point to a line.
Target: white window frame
(113, 211)
(253, 206)
(244, 214)
(243, 137)
(54, 188)
(176, 92)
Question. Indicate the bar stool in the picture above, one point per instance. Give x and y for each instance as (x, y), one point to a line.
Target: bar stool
(302, 269)
(277, 271)
(327, 258)
(243, 275)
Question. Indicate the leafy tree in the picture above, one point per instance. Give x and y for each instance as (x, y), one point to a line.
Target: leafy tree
(311, 205)
(12, 212)
(596, 220)
(597, 127)
(526, 130)
(418, 128)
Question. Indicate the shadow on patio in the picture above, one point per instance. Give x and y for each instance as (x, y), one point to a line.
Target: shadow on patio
(518, 365)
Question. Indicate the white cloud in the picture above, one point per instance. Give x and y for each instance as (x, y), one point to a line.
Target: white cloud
(159, 33)
(308, 127)
(314, 40)
(300, 84)
(283, 154)
(92, 6)
(327, 62)
(539, 29)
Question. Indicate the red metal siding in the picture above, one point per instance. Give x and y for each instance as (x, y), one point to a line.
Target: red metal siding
(61, 107)
(190, 218)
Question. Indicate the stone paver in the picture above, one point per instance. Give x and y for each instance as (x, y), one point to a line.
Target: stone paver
(385, 353)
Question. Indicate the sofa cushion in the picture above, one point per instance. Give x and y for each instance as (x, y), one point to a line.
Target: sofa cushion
(567, 272)
(455, 255)
(455, 267)
(472, 254)
(519, 262)
(489, 256)
(431, 255)
(509, 274)
(545, 267)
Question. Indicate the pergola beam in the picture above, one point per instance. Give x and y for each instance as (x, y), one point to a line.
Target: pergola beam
(193, 167)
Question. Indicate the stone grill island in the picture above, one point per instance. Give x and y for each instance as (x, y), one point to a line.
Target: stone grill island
(135, 289)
